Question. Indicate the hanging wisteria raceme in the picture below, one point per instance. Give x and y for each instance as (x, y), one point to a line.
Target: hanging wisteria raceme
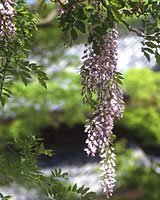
(7, 12)
(101, 90)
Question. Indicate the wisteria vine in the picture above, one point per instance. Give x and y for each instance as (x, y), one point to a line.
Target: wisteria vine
(100, 88)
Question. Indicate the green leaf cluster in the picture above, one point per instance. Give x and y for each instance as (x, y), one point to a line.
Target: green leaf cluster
(86, 18)
(14, 63)
(21, 157)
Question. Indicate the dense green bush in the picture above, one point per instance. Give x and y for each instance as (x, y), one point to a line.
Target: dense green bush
(142, 114)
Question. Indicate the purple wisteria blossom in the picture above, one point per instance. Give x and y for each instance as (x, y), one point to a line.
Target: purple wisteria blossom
(101, 90)
(7, 12)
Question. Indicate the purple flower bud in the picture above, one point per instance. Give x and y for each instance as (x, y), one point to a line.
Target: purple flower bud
(7, 12)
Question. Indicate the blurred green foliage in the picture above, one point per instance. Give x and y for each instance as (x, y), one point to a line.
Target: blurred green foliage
(142, 114)
(34, 107)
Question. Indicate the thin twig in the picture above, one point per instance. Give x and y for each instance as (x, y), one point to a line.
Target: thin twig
(126, 9)
(132, 30)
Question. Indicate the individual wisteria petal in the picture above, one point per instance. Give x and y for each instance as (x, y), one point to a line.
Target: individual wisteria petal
(7, 12)
(100, 89)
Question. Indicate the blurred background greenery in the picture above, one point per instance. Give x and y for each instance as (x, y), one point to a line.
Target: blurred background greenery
(58, 109)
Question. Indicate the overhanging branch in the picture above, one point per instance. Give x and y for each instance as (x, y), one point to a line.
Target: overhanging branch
(125, 23)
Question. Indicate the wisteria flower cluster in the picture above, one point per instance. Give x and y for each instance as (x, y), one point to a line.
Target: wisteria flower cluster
(101, 90)
(7, 12)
